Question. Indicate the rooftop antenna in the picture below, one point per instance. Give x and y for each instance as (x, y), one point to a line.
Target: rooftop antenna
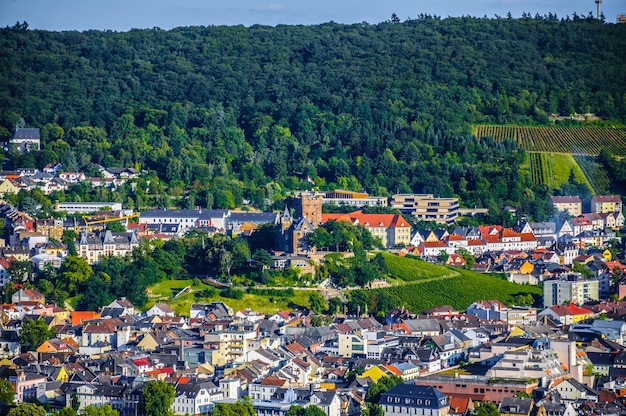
(598, 3)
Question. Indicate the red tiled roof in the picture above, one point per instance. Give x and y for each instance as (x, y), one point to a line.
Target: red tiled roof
(606, 198)
(80, 316)
(5, 263)
(570, 310)
(459, 404)
(141, 362)
(295, 347)
(369, 220)
(392, 369)
(273, 381)
(99, 328)
(566, 199)
(433, 244)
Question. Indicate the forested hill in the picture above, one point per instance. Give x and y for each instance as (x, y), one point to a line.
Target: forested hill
(261, 103)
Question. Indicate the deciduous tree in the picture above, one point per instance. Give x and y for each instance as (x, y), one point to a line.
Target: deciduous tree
(157, 398)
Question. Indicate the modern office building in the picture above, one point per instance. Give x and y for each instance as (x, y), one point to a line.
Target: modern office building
(354, 199)
(426, 207)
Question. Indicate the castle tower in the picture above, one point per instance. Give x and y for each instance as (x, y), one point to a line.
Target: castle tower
(309, 206)
(283, 233)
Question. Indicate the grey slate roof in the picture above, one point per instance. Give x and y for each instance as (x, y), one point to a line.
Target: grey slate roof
(516, 405)
(410, 395)
(25, 133)
(253, 217)
(185, 213)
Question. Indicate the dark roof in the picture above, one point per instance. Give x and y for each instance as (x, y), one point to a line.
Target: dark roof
(253, 217)
(25, 133)
(184, 213)
(601, 358)
(415, 396)
(516, 405)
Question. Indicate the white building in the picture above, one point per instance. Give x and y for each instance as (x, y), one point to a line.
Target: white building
(196, 397)
(187, 218)
(570, 288)
(87, 207)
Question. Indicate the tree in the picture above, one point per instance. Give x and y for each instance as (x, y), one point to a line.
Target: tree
(105, 410)
(582, 269)
(74, 272)
(335, 305)
(116, 227)
(157, 398)
(442, 257)
(34, 332)
(372, 409)
(7, 394)
(383, 385)
(243, 407)
(295, 410)
(20, 270)
(317, 303)
(27, 409)
(486, 409)
(311, 410)
(262, 259)
(66, 411)
(75, 402)
(317, 321)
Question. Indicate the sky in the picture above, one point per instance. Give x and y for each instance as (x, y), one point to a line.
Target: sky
(123, 15)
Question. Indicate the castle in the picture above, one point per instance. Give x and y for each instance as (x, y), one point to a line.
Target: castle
(292, 230)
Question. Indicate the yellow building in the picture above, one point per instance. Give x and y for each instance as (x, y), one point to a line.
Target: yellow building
(375, 373)
(570, 204)
(7, 187)
(606, 203)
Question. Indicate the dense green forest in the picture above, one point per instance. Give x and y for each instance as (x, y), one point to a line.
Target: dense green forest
(217, 115)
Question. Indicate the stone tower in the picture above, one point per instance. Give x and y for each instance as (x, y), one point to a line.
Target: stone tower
(309, 206)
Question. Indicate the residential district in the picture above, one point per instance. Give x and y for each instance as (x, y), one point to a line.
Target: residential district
(566, 358)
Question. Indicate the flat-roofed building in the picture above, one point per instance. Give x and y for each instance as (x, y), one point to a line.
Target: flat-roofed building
(570, 204)
(426, 207)
(478, 388)
(570, 288)
(87, 207)
(354, 199)
(186, 218)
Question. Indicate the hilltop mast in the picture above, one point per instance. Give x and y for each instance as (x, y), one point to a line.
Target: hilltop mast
(598, 3)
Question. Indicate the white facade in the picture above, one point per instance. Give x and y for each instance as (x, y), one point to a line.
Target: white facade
(87, 207)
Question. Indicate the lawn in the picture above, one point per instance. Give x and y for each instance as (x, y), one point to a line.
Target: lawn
(163, 292)
(563, 165)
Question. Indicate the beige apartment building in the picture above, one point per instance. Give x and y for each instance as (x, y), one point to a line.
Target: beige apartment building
(570, 204)
(426, 207)
(601, 204)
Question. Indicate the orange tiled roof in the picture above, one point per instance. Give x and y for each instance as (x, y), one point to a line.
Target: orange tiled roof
(369, 220)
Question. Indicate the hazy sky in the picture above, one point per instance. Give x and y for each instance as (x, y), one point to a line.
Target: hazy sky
(122, 15)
